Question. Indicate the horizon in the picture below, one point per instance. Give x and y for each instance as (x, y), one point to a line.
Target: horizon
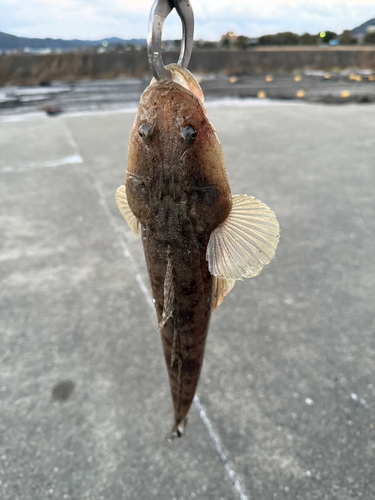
(122, 19)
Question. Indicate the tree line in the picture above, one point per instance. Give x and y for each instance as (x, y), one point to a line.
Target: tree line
(288, 38)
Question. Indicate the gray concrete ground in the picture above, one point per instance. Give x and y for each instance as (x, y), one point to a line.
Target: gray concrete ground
(288, 385)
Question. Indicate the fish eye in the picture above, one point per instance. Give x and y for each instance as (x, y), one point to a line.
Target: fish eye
(189, 134)
(145, 130)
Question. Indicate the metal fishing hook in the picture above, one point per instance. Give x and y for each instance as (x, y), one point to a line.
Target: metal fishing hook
(159, 12)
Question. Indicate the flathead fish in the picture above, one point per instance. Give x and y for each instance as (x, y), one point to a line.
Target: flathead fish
(197, 238)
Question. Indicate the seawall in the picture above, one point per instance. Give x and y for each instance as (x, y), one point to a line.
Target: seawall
(26, 69)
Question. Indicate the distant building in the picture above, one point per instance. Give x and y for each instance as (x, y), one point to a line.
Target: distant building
(230, 36)
(231, 39)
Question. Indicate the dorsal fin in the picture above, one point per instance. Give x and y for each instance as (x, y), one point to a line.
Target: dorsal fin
(122, 203)
(245, 242)
(168, 295)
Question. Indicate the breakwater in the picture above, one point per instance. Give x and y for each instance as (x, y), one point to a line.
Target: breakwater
(31, 69)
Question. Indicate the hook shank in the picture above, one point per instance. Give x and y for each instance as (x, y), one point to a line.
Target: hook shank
(159, 12)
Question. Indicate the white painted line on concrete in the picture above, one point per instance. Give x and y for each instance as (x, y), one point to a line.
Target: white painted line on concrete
(68, 160)
(215, 438)
(25, 117)
(126, 253)
(213, 435)
(112, 222)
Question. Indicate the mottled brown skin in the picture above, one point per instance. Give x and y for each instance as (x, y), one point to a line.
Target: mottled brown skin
(179, 192)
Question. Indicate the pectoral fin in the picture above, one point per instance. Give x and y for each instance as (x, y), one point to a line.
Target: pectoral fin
(222, 288)
(122, 203)
(245, 242)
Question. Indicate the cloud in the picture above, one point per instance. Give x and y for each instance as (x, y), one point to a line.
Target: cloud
(307, 17)
(67, 19)
(96, 19)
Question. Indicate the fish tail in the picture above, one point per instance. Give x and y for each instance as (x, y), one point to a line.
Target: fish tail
(176, 358)
(173, 353)
(178, 430)
(183, 351)
(175, 362)
(182, 390)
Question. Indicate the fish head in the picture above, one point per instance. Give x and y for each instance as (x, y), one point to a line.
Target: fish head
(175, 155)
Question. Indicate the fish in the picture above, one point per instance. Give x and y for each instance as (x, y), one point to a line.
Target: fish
(198, 238)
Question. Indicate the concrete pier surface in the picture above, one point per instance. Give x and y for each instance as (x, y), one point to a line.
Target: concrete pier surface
(286, 401)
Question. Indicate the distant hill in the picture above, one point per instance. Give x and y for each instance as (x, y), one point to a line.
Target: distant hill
(10, 42)
(361, 29)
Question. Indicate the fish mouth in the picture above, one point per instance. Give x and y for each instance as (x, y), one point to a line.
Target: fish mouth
(183, 77)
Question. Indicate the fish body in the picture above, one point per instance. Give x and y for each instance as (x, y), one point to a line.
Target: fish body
(178, 192)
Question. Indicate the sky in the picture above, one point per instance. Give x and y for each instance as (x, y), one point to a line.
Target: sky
(98, 19)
